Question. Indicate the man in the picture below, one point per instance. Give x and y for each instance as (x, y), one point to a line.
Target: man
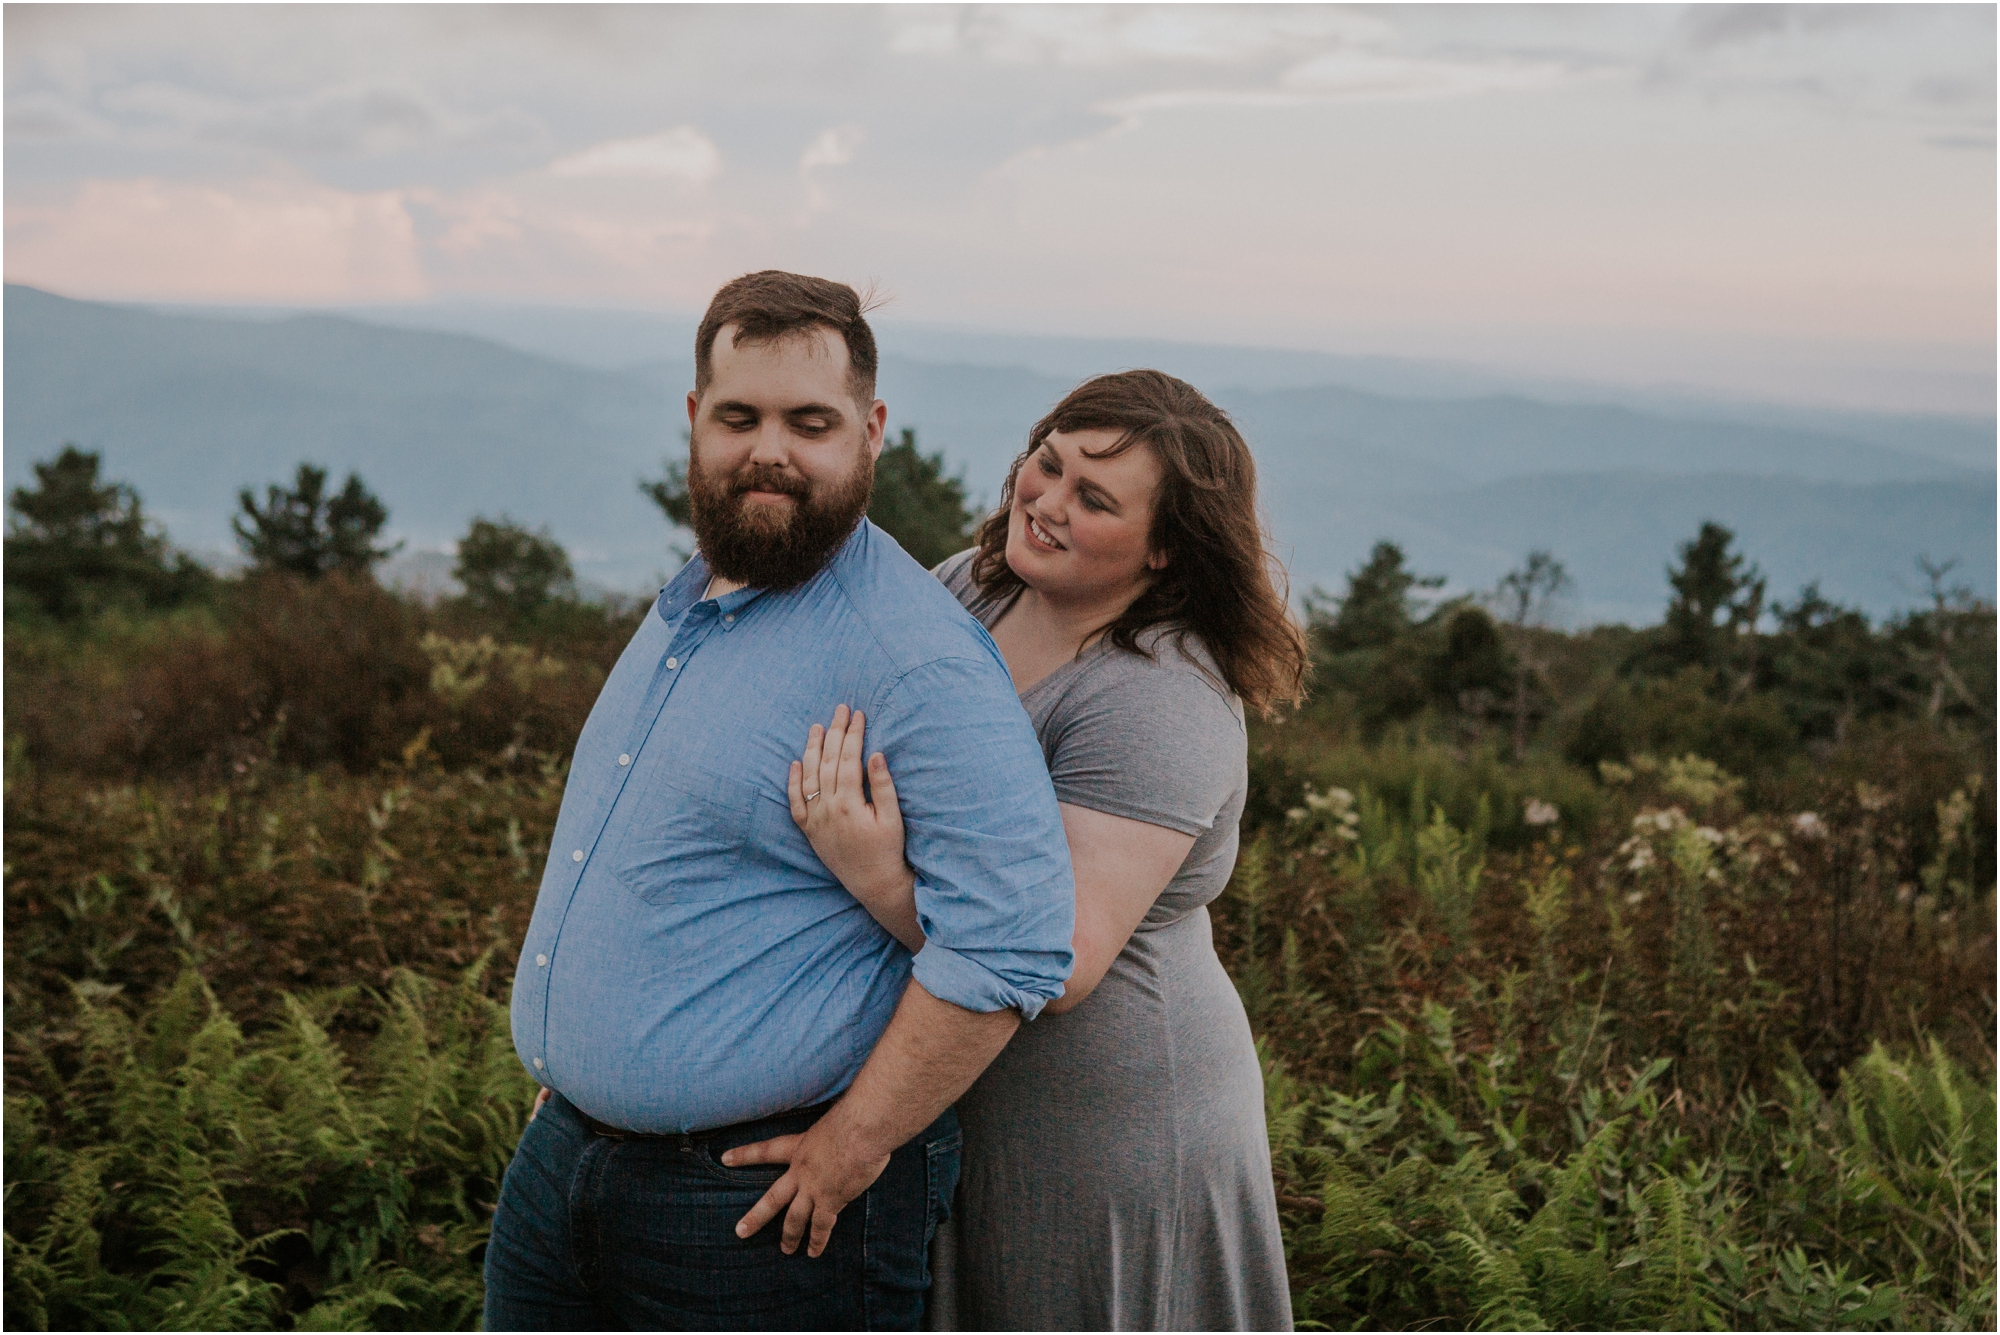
(694, 979)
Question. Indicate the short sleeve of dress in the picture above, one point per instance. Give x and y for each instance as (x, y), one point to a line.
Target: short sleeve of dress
(1153, 740)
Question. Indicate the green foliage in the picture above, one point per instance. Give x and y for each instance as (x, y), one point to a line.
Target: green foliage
(511, 573)
(1379, 607)
(1601, 1086)
(1390, 660)
(79, 545)
(196, 1178)
(1718, 598)
(301, 530)
(1769, 691)
(1418, 1200)
(334, 671)
(670, 493)
(918, 505)
(1674, 1012)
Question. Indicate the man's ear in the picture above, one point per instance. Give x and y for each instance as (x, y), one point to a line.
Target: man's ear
(876, 425)
(694, 408)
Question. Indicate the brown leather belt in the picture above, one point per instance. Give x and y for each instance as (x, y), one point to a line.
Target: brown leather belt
(620, 1133)
(815, 1112)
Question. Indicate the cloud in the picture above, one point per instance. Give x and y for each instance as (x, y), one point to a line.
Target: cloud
(1930, 64)
(271, 240)
(48, 115)
(1361, 76)
(1712, 27)
(1367, 76)
(682, 153)
(833, 148)
(1121, 34)
(354, 119)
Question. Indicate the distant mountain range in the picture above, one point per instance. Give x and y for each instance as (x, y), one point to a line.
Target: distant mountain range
(552, 417)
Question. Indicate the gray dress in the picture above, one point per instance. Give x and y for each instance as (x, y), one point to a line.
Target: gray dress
(1117, 1171)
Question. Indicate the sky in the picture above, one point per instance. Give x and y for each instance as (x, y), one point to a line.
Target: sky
(1786, 202)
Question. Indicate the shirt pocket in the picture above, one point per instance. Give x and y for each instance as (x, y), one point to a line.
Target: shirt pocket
(685, 842)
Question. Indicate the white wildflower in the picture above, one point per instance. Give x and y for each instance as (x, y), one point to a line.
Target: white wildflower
(1539, 812)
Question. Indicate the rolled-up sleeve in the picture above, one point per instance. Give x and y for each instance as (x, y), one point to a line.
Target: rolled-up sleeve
(995, 894)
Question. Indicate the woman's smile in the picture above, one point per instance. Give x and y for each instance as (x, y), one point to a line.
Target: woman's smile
(1041, 536)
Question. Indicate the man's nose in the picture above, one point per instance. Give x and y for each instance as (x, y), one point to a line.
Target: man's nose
(771, 445)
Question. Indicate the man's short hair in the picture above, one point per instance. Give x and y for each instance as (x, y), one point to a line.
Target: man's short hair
(772, 304)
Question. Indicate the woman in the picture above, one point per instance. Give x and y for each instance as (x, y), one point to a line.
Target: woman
(1117, 1172)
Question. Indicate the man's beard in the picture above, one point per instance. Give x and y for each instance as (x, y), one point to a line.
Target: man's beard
(762, 550)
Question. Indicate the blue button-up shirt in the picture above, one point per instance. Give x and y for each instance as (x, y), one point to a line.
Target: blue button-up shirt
(691, 963)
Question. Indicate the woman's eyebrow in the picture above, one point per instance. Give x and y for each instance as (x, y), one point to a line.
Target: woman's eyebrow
(1103, 497)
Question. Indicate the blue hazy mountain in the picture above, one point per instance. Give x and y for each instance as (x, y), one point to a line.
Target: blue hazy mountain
(553, 416)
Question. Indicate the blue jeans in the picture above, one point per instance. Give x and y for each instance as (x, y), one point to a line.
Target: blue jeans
(599, 1233)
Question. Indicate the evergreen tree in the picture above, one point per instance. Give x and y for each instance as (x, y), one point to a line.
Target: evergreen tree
(670, 493)
(79, 543)
(509, 571)
(1390, 656)
(1718, 597)
(1826, 667)
(1379, 607)
(306, 532)
(918, 505)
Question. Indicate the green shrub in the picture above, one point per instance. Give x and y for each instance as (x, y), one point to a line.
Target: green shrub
(1417, 1200)
(185, 1175)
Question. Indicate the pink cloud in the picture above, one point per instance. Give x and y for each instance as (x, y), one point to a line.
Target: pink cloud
(270, 240)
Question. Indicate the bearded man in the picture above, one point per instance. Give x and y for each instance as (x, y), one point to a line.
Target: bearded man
(694, 978)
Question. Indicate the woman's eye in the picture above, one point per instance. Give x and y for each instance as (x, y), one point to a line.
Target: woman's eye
(1048, 466)
(1093, 504)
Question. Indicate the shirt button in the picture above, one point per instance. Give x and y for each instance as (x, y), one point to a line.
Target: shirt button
(729, 619)
(541, 961)
(576, 856)
(538, 1063)
(624, 760)
(673, 663)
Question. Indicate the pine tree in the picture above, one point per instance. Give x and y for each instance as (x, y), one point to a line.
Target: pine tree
(918, 505)
(1718, 597)
(306, 532)
(79, 543)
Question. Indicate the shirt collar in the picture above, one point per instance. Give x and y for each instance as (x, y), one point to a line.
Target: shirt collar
(684, 590)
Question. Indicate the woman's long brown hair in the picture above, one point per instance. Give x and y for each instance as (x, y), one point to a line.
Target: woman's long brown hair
(1221, 583)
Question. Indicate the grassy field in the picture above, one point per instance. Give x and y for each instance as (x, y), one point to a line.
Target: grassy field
(1681, 1017)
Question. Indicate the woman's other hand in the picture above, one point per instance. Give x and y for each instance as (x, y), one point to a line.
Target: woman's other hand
(861, 842)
